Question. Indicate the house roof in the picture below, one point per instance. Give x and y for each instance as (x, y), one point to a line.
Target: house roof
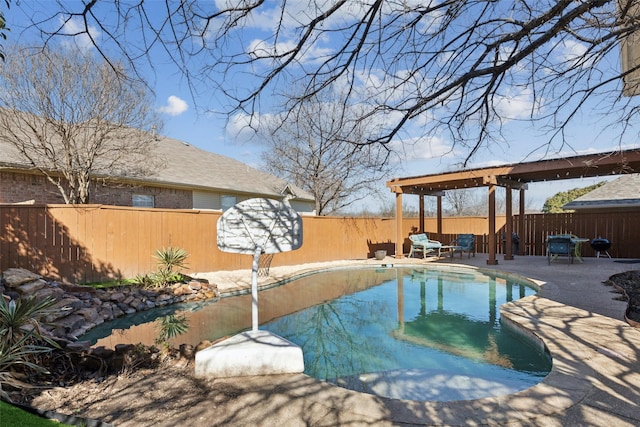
(181, 165)
(189, 166)
(623, 192)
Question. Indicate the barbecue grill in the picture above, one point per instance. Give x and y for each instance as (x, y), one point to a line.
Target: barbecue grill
(600, 245)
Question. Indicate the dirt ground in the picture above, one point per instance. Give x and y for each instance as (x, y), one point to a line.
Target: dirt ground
(144, 397)
(163, 394)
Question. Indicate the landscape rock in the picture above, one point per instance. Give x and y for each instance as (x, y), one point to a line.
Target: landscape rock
(64, 306)
(202, 345)
(78, 346)
(49, 292)
(183, 290)
(90, 314)
(195, 285)
(30, 288)
(103, 352)
(70, 323)
(79, 308)
(71, 288)
(187, 351)
(14, 277)
(117, 297)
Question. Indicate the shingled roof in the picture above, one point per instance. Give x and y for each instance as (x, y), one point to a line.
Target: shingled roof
(622, 193)
(187, 167)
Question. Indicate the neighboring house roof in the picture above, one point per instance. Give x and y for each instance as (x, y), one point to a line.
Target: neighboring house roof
(189, 166)
(623, 192)
(184, 166)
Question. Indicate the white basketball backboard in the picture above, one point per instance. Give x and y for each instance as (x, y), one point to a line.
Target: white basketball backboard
(269, 224)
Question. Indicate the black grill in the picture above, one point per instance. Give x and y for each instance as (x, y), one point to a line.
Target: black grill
(600, 245)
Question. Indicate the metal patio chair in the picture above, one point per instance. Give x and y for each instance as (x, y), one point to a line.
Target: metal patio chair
(559, 246)
(465, 243)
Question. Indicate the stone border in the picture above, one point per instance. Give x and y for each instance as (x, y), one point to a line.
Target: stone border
(81, 308)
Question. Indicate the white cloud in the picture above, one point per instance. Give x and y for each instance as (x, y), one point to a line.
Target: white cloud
(516, 105)
(80, 39)
(573, 53)
(266, 50)
(242, 128)
(175, 106)
(422, 148)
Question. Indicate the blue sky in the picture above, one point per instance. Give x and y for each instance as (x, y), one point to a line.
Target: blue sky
(201, 121)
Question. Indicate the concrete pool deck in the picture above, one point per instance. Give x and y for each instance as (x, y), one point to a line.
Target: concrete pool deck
(595, 380)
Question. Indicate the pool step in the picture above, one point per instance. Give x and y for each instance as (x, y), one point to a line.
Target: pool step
(250, 353)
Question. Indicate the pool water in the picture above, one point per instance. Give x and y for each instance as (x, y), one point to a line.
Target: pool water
(421, 334)
(406, 333)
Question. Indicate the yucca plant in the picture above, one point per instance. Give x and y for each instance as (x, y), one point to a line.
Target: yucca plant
(171, 258)
(18, 355)
(169, 327)
(23, 317)
(21, 337)
(170, 261)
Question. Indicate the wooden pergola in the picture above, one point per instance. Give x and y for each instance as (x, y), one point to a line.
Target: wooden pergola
(511, 177)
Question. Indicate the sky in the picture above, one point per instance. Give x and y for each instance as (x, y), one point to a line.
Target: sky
(200, 119)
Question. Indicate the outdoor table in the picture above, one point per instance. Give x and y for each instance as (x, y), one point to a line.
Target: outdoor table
(577, 244)
(448, 248)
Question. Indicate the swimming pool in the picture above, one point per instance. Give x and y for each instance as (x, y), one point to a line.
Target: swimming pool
(408, 333)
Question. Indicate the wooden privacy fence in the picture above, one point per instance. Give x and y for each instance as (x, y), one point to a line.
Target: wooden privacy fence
(621, 228)
(94, 242)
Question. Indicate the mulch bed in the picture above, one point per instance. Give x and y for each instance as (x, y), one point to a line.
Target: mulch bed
(628, 285)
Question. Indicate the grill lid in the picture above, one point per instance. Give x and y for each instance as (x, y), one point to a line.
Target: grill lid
(600, 244)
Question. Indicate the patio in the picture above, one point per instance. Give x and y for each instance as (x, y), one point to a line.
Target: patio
(595, 379)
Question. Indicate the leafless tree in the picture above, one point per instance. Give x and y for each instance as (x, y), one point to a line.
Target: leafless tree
(73, 119)
(450, 68)
(320, 146)
(3, 28)
(465, 202)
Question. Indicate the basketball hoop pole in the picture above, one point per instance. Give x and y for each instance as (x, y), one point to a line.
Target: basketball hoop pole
(254, 288)
(259, 226)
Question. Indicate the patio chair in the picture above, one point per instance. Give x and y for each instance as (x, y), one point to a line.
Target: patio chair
(559, 246)
(422, 243)
(464, 243)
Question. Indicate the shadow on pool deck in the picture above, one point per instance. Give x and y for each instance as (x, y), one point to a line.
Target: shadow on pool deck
(595, 380)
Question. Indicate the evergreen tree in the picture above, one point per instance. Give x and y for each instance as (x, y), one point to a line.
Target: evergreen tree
(555, 203)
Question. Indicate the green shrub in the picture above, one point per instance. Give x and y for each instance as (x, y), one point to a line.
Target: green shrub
(144, 280)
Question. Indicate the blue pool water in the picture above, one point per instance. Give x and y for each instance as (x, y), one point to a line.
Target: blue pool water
(421, 334)
(408, 333)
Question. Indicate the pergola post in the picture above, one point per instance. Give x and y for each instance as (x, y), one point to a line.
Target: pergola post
(439, 216)
(492, 225)
(421, 213)
(521, 224)
(508, 252)
(399, 234)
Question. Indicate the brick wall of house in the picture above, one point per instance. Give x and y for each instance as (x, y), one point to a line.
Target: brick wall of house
(17, 188)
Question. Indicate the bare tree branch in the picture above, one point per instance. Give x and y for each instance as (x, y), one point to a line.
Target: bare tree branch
(318, 148)
(73, 119)
(438, 68)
